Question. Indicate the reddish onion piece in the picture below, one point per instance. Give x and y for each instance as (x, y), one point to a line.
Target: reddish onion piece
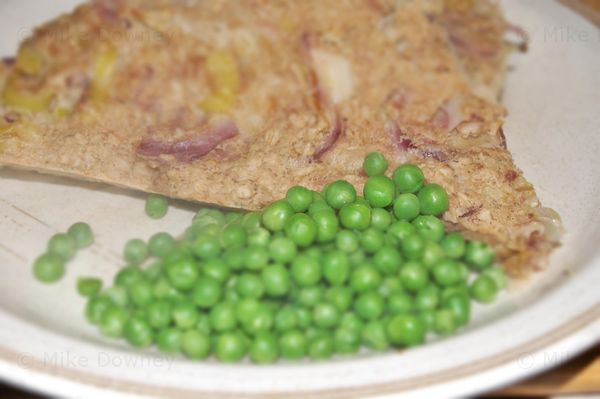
(189, 149)
(335, 131)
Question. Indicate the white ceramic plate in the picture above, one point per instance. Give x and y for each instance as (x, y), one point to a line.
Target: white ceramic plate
(553, 98)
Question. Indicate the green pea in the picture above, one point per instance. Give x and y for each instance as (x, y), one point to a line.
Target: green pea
(497, 274)
(406, 330)
(304, 317)
(153, 271)
(433, 200)
(454, 245)
(375, 164)
(369, 305)
(118, 295)
(374, 335)
(306, 271)
(251, 220)
(406, 207)
(428, 298)
(355, 216)
(327, 225)
(414, 276)
(264, 348)
(88, 286)
(444, 322)
(230, 347)
(223, 317)
(351, 321)
(282, 249)
(309, 296)
(336, 267)
(400, 303)
(483, 289)
(340, 193)
(246, 307)
(379, 191)
(432, 254)
(95, 308)
(156, 206)
(276, 280)
(82, 235)
(140, 292)
(365, 278)
(428, 318)
(286, 319)
(381, 219)
(447, 273)
(292, 345)
(301, 229)
(479, 255)
(49, 268)
(276, 215)
(62, 245)
(162, 289)
(158, 314)
(249, 286)
(389, 285)
(135, 251)
(347, 241)
(319, 206)
(256, 258)
(112, 321)
(460, 306)
(326, 315)
(183, 274)
(429, 227)
(346, 340)
(408, 178)
(203, 324)
(207, 246)
(184, 314)
(195, 344)
(168, 340)
(387, 260)
(357, 257)
(371, 240)
(299, 198)
(233, 236)
(217, 269)
(398, 231)
(340, 297)
(234, 258)
(207, 292)
(413, 246)
(320, 347)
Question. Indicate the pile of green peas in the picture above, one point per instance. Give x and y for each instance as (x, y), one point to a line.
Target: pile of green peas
(314, 274)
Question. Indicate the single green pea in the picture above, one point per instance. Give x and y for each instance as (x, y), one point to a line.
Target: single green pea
(381, 219)
(158, 314)
(153, 271)
(256, 258)
(479, 255)
(314, 252)
(389, 285)
(444, 322)
(387, 260)
(276, 280)
(399, 230)
(163, 289)
(245, 308)
(460, 307)
(340, 296)
(346, 340)
(371, 240)
(497, 274)
(428, 298)
(327, 225)
(292, 345)
(406, 207)
(309, 297)
(118, 295)
(326, 315)
(234, 258)
(276, 215)
(230, 347)
(406, 330)
(223, 317)
(88, 286)
(168, 340)
(318, 206)
(140, 293)
(251, 220)
(49, 268)
(379, 191)
(355, 216)
(306, 270)
(400, 303)
(357, 257)
(299, 198)
(375, 164)
(282, 249)
(432, 254)
(207, 292)
(320, 347)
(446, 273)
(195, 344)
(249, 285)
(183, 274)
(63, 245)
(428, 318)
(365, 278)
(347, 241)
(408, 178)
(112, 322)
(429, 227)
(82, 234)
(156, 206)
(304, 317)
(483, 289)
(414, 276)
(233, 236)
(203, 324)
(340, 193)
(264, 348)
(184, 314)
(454, 245)
(95, 308)
(301, 229)
(207, 246)
(135, 251)
(160, 244)
(433, 199)
(286, 319)
(374, 335)
(217, 269)
(336, 267)
(413, 246)
(369, 305)
(352, 321)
